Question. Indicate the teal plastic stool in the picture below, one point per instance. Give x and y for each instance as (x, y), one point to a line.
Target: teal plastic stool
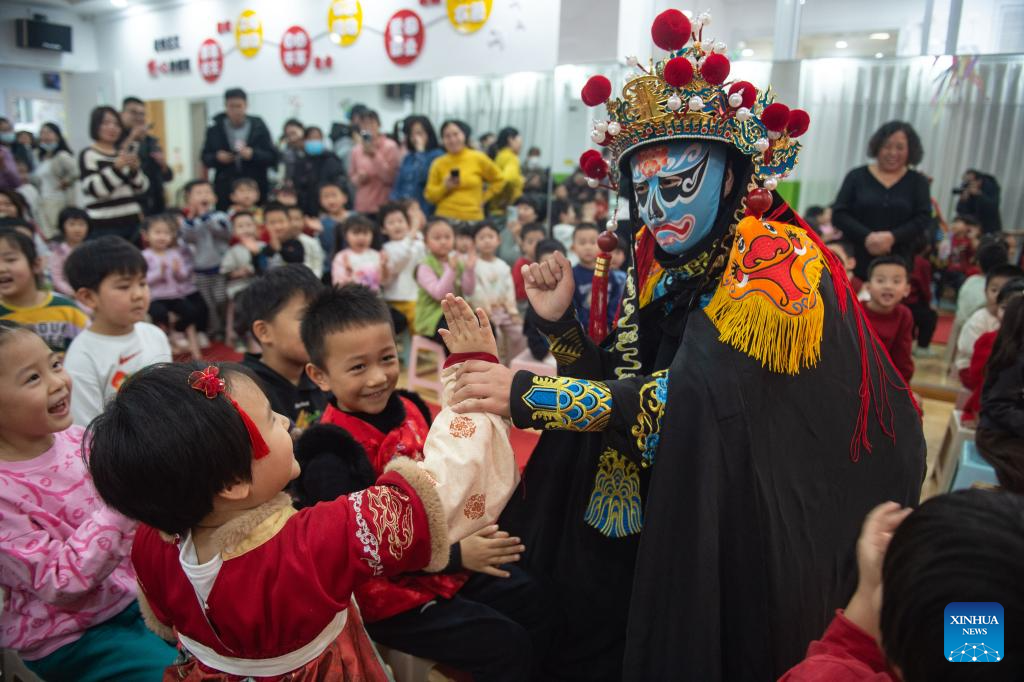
(972, 469)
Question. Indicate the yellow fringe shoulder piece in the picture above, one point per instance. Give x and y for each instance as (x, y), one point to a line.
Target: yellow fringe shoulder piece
(767, 304)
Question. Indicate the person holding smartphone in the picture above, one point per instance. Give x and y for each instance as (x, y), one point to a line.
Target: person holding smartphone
(462, 180)
(373, 165)
(111, 177)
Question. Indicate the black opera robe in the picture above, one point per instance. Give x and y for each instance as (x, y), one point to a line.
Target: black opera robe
(752, 496)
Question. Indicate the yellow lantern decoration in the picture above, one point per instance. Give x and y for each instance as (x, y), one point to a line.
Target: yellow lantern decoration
(344, 21)
(249, 33)
(469, 16)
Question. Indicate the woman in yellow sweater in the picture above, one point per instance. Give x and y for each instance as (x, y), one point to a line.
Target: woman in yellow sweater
(505, 152)
(463, 180)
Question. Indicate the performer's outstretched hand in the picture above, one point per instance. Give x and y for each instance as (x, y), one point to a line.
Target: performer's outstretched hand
(466, 333)
(550, 286)
(865, 606)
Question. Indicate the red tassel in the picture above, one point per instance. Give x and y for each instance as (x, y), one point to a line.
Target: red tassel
(867, 390)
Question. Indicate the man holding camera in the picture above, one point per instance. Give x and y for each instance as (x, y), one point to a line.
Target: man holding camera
(373, 165)
(238, 146)
(152, 159)
(979, 197)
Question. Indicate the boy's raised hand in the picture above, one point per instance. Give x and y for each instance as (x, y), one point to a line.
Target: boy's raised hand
(467, 332)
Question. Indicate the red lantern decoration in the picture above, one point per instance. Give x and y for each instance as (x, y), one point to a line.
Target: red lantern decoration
(296, 49)
(799, 122)
(715, 68)
(670, 30)
(597, 91)
(211, 60)
(775, 117)
(747, 91)
(678, 72)
(403, 37)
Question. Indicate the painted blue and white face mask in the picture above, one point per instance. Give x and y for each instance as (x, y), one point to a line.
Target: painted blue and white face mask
(678, 187)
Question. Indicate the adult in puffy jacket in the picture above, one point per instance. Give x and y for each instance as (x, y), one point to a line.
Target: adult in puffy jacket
(238, 146)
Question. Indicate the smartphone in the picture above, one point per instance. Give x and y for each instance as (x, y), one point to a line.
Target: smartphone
(367, 137)
(511, 214)
(455, 173)
(132, 147)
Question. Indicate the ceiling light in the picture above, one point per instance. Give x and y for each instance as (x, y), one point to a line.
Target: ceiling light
(746, 52)
(842, 44)
(881, 35)
(119, 3)
(879, 55)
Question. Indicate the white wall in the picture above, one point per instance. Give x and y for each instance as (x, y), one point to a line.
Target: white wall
(518, 36)
(83, 41)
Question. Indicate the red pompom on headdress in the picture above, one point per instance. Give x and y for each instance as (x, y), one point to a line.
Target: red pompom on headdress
(747, 91)
(775, 117)
(678, 72)
(592, 165)
(799, 122)
(670, 30)
(209, 383)
(715, 68)
(597, 91)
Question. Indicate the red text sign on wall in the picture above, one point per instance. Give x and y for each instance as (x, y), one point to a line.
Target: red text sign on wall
(403, 37)
(211, 60)
(295, 50)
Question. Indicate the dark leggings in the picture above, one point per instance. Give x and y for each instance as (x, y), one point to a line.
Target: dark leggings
(190, 310)
(925, 320)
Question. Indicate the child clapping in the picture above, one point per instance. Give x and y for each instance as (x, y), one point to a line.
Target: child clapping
(359, 262)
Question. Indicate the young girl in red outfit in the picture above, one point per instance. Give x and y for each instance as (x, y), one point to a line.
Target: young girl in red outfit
(249, 587)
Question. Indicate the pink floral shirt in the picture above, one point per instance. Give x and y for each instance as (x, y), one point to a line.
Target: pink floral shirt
(64, 556)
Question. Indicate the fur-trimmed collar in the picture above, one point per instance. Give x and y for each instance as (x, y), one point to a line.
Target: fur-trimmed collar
(237, 530)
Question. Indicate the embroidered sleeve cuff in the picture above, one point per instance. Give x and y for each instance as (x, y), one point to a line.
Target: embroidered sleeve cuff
(541, 402)
(425, 488)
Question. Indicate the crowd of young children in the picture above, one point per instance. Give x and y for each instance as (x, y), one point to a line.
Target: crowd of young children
(382, 487)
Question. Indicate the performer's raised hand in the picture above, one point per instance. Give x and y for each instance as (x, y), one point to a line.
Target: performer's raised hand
(550, 286)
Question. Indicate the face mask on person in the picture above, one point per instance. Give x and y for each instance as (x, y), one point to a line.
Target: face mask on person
(48, 146)
(314, 147)
(678, 187)
(8, 137)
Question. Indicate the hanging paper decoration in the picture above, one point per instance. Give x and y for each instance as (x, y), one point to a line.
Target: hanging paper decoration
(468, 16)
(296, 48)
(963, 71)
(344, 21)
(211, 60)
(403, 37)
(249, 33)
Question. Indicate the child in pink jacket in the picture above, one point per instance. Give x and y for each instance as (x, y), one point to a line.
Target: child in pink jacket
(66, 580)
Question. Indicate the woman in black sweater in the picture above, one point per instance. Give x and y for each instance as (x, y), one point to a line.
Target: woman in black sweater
(885, 207)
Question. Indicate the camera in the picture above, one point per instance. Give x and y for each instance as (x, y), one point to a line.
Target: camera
(960, 188)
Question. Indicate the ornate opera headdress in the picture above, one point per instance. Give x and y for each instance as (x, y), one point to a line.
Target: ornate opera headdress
(688, 96)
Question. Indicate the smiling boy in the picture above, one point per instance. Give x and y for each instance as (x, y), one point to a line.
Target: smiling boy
(888, 284)
(109, 276)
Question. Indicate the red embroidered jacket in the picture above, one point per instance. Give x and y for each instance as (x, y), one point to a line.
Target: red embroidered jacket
(281, 585)
(381, 598)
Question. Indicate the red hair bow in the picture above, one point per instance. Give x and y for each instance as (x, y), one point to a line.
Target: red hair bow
(207, 382)
(211, 385)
